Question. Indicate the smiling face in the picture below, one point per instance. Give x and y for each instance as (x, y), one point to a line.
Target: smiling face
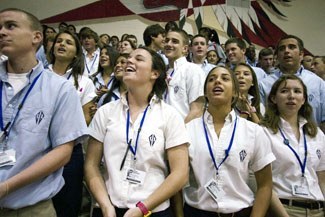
(244, 77)
(234, 54)
(174, 46)
(120, 67)
(139, 69)
(159, 41)
(65, 47)
(212, 57)
(219, 87)
(104, 59)
(289, 97)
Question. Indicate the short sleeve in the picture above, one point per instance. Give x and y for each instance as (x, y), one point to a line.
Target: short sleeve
(97, 127)
(175, 131)
(68, 122)
(262, 150)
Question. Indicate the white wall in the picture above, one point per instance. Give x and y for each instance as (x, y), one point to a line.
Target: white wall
(304, 19)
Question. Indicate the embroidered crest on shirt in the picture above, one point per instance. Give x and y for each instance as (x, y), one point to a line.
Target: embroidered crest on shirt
(152, 139)
(176, 88)
(39, 117)
(319, 155)
(242, 155)
(310, 97)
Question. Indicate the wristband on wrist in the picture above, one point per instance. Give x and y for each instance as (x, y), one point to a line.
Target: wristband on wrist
(143, 208)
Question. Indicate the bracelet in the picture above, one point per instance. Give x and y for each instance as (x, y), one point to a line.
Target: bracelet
(143, 208)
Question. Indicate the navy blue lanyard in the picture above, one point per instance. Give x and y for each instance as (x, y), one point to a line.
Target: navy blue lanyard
(110, 81)
(226, 151)
(129, 141)
(6, 129)
(69, 76)
(116, 97)
(302, 165)
(93, 62)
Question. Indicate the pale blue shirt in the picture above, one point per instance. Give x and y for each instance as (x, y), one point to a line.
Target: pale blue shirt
(41, 56)
(51, 116)
(315, 88)
(206, 67)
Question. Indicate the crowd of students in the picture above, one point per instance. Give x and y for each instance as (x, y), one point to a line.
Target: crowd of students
(183, 126)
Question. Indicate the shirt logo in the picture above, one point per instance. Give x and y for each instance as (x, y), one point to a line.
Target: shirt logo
(39, 117)
(319, 155)
(310, 97)
(152, 139)
(176, 88)
(242, 155)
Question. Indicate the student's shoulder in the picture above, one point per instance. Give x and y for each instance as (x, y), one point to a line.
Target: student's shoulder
(56, 82)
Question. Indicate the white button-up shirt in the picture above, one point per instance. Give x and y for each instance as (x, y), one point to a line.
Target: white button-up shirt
(163, 128)
(250, 150)
(184, 86)
(286, 169)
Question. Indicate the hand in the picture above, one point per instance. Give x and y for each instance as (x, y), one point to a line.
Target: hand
(101, 91)
(92, 110)
(108, 211)
(133, 212)
(242, 103)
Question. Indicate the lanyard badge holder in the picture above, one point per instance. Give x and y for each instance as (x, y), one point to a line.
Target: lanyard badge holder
(133, 175)
(303, 188)
(212, 186)
(8, 156)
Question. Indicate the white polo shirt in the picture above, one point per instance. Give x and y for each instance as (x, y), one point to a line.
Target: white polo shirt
(250, 151)
(163, 128)
(86, 90)
(185, 85)
(286, 169)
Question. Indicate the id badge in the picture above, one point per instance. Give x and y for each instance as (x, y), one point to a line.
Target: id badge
(7, 158)
(301, 190)
(134, 176)
(214, 190)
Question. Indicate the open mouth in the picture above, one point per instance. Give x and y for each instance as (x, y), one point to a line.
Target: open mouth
(130, 69)
(61, 49)
(217, 90)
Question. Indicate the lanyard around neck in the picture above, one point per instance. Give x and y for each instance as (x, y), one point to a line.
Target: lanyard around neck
(9, 125)
(93, 62)
(110, 81)
(302, 164)
(129, 141)
(210, 148)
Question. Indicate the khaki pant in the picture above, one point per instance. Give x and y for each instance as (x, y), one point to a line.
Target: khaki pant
(41, 209)
(294, 211)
